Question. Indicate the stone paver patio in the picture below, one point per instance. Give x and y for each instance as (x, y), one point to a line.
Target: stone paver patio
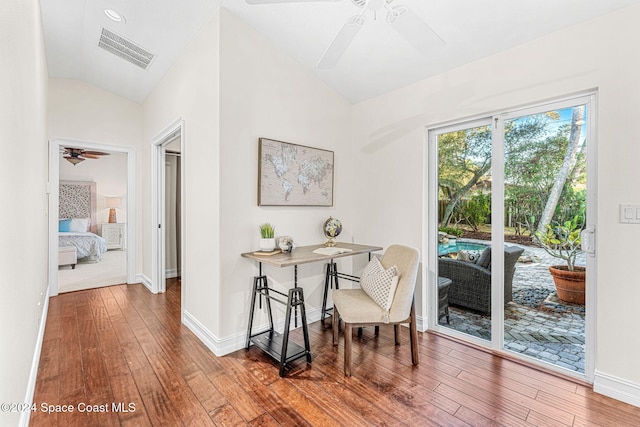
(537, 324)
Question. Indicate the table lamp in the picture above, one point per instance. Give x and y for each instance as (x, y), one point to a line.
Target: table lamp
(112, 203)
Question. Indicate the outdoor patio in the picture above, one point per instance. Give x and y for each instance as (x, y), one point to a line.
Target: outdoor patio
(537, 324)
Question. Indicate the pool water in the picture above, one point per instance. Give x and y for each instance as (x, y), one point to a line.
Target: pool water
(455, 246)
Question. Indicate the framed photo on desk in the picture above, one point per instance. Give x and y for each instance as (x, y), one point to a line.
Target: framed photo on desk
(294, 175)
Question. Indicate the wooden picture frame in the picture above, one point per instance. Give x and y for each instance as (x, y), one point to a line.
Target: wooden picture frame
(294, 175)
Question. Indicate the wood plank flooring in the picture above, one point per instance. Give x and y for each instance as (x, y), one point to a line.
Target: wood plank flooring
(122, 352)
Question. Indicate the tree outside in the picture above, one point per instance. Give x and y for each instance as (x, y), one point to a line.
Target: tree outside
(545, 173)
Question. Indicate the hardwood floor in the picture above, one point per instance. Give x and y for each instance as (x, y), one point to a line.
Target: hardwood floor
(124, 346)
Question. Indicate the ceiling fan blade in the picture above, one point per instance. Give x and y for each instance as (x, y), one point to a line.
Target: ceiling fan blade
(341, 42)
(89, 156)
(417, 32)
(286, 1)
(95, 153)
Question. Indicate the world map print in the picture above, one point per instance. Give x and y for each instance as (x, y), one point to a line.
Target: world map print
(294, 175)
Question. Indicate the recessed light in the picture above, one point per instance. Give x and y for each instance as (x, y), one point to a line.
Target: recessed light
(115, 16)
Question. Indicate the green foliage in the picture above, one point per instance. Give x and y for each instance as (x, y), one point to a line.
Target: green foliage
(563, 240)
(460, 155)
(535, 147)
(451, 231)
(574, 205)
(477, 210)
(532, 163)
(267, 230)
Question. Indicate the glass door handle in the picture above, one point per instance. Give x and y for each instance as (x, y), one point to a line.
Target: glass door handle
(587, 240)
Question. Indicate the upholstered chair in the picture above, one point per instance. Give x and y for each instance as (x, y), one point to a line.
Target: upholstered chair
(356, 308)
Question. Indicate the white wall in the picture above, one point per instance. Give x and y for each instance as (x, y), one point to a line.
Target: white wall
(264, 93)
(232, 87)
(389, 135)
(190, 90)
(110, 175)
(23, 178)
(82, 112)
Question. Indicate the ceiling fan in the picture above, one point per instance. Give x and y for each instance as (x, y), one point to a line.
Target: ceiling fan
(402, 19)
(77, 155)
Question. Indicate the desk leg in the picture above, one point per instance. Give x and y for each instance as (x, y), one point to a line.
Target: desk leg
(330, 278)
(259, 282)
(285, 333)
(326, 292)
(253, 307)
(295, 298)
(295, 285)
(305, 330)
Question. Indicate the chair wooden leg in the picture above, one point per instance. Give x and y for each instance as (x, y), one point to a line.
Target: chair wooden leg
(336, 325)
(413, 331)
(347, 349)
(396, 333)
(377, 330)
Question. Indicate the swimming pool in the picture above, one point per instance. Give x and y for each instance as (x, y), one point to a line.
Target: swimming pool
(455, 246)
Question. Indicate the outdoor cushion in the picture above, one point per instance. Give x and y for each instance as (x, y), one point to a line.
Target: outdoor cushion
(468, 255)
(485, 259)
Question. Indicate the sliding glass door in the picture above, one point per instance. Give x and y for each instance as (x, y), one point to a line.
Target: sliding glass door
(512, 203)
(464, 156)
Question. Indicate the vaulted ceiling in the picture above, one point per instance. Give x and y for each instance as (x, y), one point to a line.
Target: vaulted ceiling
(381, 57)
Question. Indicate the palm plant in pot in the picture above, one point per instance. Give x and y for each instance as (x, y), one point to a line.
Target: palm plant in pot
(563, 241)
(267, 240)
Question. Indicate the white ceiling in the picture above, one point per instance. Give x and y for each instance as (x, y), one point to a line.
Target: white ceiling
(378, 60)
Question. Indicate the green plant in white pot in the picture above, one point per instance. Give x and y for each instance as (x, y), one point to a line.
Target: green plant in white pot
(267, 237)
(563, 241)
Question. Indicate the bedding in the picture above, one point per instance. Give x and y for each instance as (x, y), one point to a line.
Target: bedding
(89, 245)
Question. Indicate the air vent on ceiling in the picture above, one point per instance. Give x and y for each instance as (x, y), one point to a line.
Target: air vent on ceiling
(125, 49)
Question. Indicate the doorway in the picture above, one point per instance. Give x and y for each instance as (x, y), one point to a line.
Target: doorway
(510, 195)
(55, 147)
(168, 212)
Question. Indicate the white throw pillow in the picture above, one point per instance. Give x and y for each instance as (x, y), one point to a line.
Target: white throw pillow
(380, 283)
(79, 225)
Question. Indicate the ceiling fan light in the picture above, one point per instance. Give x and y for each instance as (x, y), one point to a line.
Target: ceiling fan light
(74, 160)
(115, 16)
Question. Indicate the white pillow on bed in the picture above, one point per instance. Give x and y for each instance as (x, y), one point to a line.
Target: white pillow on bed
(79, 225)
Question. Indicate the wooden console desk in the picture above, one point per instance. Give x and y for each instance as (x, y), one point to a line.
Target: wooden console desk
(273, 343)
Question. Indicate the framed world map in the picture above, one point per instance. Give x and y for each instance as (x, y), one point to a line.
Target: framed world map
(294, 175)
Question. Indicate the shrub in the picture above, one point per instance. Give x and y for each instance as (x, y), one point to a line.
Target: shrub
(452, 231)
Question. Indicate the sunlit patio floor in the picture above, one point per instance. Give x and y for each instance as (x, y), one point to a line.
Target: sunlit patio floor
(537, 324)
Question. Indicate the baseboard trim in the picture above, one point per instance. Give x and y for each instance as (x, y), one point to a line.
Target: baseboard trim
(617, 388)
(170, 274)
(141, 278)
(235, 342)
(216, 345)
(421, 324)
(35, 363)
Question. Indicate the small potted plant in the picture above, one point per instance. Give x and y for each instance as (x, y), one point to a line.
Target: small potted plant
(563, 241)
(267, 241)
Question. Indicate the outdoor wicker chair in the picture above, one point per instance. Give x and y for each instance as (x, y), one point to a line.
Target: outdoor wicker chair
(471, 287)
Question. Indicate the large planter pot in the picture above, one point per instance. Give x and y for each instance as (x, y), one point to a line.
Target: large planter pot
(569, 284)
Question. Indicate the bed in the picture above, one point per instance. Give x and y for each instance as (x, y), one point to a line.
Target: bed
(77, 225)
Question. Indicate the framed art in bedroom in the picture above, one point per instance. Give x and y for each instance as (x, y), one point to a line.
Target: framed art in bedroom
(294, 175)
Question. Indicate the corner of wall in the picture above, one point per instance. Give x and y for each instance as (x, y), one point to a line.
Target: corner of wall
(617, 388)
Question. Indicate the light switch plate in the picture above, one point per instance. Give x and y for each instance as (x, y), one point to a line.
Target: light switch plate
(630, 214)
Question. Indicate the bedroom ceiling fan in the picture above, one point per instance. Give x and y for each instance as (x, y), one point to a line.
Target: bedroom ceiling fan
(402, 19)
(77, 155)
